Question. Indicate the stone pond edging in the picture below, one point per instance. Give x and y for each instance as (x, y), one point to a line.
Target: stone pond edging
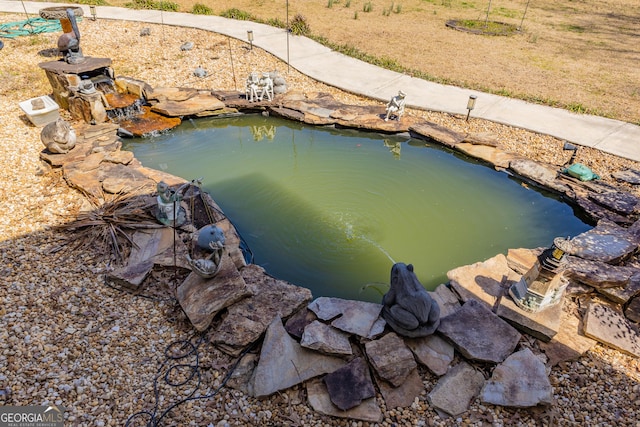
(243, 303)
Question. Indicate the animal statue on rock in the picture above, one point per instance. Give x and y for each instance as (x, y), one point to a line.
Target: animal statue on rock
(59, 137)
(395, 106)
(69, 42)
(408, 308)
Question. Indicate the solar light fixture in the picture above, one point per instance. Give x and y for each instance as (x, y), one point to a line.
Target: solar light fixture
(471, 103)
(92, 9)
(250, 37)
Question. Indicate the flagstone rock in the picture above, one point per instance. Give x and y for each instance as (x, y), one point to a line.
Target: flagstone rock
(122, 157)
(284, 363)
(246, 321)
(631, 176)
(454, 392)
(607, 242)
(176, 94)
(326, 339)
(520, 381)
(598, 274)
(478, 334)
(405, 394)
(295, 324)
(569, 343)
(611, 328)
(355, 317)
(320, 401)
(391, 358)
(350, 385)
(543, 174)
(618, 201)
(482, 138)
(597, 212)
(433, 352)
(632, 312)
(202, 104)
(492, 155)
(446, 299)
(488, 283)
(436, 132)
(202, 299)
(241, 377)
(521, 260)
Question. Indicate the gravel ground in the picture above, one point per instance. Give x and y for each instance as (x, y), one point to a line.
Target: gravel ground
(67, 338)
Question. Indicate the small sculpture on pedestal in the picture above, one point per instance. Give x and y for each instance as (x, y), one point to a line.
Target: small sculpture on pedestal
(408, 308)
(395, 107)
(169, 211)
(210, 238)
(69, 41)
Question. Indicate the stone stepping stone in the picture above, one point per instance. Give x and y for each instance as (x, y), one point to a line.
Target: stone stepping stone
(284, 363)
(479, 334)
(202, 299)
(609, 327)
(454, 392)
(520, 381)
(350, 385)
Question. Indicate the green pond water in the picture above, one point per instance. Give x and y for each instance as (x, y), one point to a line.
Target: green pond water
(332, 210)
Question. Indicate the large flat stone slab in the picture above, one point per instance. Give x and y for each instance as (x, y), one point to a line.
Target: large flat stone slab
(438, 133)
(609, 327)
(455, 391)
(607, 242)
(350, 385)
(201, 299)
(391, 358)
(196, 105)
(485, 282)
(478, 334)
(491, 155)
(248, 319)
(520, 381)
(284, 363)
(623, 294)
(354, 317)
(325, 339)
(433, 352)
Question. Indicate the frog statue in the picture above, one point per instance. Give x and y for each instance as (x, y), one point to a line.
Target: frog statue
(408, 308)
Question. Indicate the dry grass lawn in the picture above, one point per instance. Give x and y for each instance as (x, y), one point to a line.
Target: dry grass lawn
(583, 55)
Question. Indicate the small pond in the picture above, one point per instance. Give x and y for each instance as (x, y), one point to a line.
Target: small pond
(332, 210)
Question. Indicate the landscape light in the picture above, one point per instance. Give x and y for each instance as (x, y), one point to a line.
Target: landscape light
(92, 9)
(471, 104)
(250, 37)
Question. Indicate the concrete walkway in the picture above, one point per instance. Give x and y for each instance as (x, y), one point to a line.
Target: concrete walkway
(324, 65)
